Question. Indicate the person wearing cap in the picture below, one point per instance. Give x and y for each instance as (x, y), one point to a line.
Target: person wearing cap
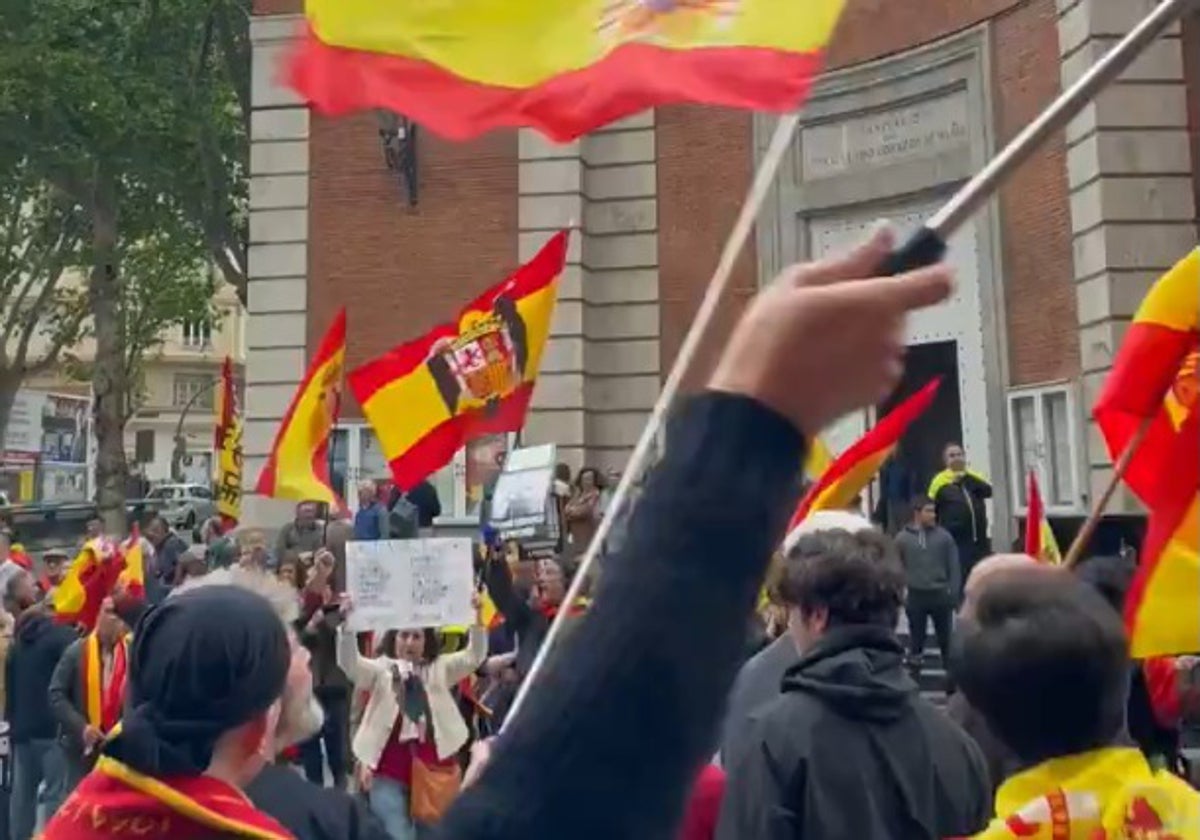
(207, 671)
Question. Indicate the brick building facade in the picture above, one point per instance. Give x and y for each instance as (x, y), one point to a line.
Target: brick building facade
(913, 102)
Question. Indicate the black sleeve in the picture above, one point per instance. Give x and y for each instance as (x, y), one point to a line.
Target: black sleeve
(763, 795)
(498, 580)
(628, 709)
(978, 486)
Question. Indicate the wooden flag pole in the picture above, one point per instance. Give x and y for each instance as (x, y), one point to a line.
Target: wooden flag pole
(927, 245)
(1084, 536)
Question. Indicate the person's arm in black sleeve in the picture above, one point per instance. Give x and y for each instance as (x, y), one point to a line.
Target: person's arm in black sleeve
(498, 579)
(628, 709)
(978, 485)
(763, 795)
(62, 682)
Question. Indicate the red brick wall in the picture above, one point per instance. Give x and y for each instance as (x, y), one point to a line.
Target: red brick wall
(705, 165)
(1035, 215)
(704, 169)
(401, 270)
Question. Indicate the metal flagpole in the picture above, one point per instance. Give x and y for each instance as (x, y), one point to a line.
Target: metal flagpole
(927, 245)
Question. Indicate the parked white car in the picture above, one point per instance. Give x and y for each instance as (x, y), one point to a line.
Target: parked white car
(183, 505)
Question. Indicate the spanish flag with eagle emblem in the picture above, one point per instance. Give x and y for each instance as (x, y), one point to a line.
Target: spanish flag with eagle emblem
(564, 67)
(298, 466)
(1153, 390)
(426, 398)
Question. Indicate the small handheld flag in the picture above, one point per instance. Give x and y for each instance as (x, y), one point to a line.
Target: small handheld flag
(1040, 543)
(228, 445)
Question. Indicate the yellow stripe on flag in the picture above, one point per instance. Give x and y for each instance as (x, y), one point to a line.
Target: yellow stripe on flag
(1169, 622)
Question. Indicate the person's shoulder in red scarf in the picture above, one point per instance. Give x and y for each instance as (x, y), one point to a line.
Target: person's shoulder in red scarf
(115, 801)
(704, 805)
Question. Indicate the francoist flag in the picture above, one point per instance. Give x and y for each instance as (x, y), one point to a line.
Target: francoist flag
(227, 441)
(564, 67)
(298, 466)
(854, 469)
(474, 377)
(1155, 383)
(1040, 543)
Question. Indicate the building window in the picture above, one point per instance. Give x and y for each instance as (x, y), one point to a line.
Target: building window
(197, 334)
(1044, 436)
(143, 446)
(187, 386)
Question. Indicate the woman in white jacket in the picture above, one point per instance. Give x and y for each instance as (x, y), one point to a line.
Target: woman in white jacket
(410, 716)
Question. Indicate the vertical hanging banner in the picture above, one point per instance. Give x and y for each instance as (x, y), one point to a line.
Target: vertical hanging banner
(227, 443)
(564, 67)
(426, 398)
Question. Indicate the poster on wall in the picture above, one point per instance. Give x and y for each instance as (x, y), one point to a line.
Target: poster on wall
(23, 433)
(405, 584)
(65, 429)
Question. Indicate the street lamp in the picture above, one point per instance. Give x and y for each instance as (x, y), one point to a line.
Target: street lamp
(180, 450)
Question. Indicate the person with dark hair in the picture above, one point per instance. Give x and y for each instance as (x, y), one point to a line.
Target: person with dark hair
(930, 559)
(1044, 659)
(168, 549)
(207, 669)
(38, 644)
(411, 726)
(850, 749)
(581, 513)
(1153, 713)
(960, 496)
(760, 680)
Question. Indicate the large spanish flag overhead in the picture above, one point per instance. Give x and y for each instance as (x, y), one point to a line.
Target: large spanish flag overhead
(298, 466)
(1154, 386)
(564, 67)
(854, 469)
(426, 398)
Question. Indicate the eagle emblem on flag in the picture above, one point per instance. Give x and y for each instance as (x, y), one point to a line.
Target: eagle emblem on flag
(671, 21)
(485, 362)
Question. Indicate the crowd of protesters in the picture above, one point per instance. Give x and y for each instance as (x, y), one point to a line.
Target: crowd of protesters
(232, 701)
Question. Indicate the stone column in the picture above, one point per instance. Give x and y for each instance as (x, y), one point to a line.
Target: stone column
(1132, 206)
(276, 335)
(600, 374)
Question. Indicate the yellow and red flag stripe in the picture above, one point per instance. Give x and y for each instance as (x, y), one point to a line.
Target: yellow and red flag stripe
(1040, 543)
(103, 703)
(426, 398)
(298, 466)
(132, 578)
(89, 580)
(854, 469)
(228, 445)
(1154, 388)
(817, 459)
(564, 67)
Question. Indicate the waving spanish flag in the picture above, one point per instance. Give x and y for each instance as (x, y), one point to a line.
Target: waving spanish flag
(1040, 543)
(298, 466)
(853, 469)
(474, 377)
(564, 67)
(89, 580)
(132, 578)
(1153, 389)
(228, 444)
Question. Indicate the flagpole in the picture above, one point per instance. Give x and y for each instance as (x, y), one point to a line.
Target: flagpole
(926, 246)
(1084, 536)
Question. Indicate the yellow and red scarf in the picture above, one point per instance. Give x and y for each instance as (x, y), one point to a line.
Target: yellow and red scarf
(1106, 794)
(103, 703)
(115, 801)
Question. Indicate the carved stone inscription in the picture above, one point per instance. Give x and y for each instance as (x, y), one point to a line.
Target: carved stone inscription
(918, 130)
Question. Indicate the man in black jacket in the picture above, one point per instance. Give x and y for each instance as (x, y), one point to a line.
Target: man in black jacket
(38, 643)
(850, 749)
(615, 728)
(960, 497)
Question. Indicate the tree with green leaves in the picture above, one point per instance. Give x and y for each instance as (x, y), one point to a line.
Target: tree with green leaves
(131, 110)
(42, 313)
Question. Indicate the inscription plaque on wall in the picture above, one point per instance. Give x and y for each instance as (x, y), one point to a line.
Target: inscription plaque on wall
(918, 130)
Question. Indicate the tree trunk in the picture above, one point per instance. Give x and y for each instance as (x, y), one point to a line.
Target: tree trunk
(10, 383)
(109, 380)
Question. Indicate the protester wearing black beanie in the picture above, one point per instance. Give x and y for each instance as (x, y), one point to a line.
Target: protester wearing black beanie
(201, 664)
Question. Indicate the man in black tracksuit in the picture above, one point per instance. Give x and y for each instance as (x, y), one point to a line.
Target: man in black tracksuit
(850, 750)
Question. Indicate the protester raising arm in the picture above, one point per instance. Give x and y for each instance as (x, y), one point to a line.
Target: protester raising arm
(615, 729)
(497, 577)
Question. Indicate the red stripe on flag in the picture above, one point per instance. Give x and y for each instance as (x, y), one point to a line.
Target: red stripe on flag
(1033, 518)
(630, 79)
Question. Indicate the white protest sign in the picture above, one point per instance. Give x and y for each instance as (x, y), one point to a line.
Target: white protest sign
(400, 584)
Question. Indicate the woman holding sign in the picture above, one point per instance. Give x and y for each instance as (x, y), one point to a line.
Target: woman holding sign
(411, 731)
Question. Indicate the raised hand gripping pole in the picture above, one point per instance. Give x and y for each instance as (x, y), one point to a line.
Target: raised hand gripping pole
(926, 246)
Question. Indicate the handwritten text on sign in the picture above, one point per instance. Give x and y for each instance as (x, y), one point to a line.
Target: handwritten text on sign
(399, 584)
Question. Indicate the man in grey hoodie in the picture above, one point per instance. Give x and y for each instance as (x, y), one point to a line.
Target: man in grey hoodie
(930, 559)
